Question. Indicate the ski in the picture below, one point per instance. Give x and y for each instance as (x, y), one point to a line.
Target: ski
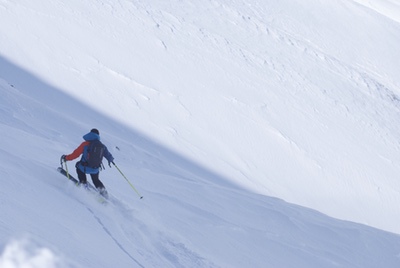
(90, 188)
(71, 178)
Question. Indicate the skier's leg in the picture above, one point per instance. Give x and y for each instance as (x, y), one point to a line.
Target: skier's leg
(81, 176)
(99, 185)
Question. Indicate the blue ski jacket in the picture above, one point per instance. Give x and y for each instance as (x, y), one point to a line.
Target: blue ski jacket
(82, 150)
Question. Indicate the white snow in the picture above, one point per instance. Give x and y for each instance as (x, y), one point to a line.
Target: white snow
(21, 254)
(388, 8)
(260, 133)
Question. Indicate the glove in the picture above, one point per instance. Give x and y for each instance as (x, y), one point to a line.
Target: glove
(63, 158)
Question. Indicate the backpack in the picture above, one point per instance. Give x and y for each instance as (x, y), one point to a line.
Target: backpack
(95, 154)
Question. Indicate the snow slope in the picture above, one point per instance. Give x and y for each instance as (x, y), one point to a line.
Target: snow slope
(217, 111)
(388, 8)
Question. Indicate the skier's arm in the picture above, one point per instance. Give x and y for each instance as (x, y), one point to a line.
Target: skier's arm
(77, 152)
(108, 155)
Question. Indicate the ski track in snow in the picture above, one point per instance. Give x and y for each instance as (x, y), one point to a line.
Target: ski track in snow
(114, 239)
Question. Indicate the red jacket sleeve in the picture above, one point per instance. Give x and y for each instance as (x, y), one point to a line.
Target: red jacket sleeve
(77, 152)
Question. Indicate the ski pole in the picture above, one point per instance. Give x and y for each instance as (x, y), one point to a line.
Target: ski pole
(141, 197)
(66, 167)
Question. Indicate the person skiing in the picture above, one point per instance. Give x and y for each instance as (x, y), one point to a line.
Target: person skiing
(92, 151)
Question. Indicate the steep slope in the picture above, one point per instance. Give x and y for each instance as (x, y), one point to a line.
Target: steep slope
(215, 108)
(190, 217)
(297, 100)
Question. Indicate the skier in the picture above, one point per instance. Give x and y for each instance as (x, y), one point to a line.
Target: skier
(90, 162)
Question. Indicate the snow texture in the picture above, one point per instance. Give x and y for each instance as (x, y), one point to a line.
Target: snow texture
(261, 133)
